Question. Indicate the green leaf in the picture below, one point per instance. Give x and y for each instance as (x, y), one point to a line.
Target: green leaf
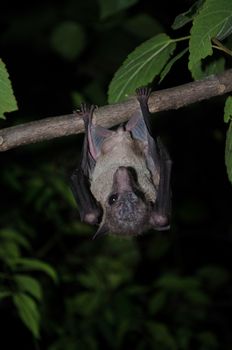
(141, 66)
(142, 25)
(162, 336)
(5, 294)
(214, 276)
(85, 303)
(28, 312)
(157, 302)
(26, 264)
(208, 341)
(215, 67)
(173, 283)
(77, 99)
(183, 337)
(187, 16)
(214, 20)
(8, 234)
(29, 285)
(228, 152)
(8, 102)
(170, 64)
(8, 251)
(68, 40)
(228, 109)
(197, 297)
(110, 7)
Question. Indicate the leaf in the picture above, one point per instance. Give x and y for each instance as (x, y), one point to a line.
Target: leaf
(228, 152)
(85, 303)
(28, 312)
(228, 109)
(68, 40)
(187, 16)
(8, 102)
(29, 285)
(143, 25)
(197, 297)
(173, 283)
(110, 7)
(34, 264)
(170, 64)
(62, 188)
(214, 276)
(77, 99)
(208, 340)
(8, 251)
(141, 67)
(162, 336)
(215, 67)
(11, 235)
(157, 302)
(214, 20)
(183, 337)
(5, 294)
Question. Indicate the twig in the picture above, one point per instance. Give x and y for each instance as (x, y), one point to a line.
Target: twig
(173, 98)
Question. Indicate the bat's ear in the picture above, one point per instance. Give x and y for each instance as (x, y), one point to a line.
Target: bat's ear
(102, 231)
(159, 222)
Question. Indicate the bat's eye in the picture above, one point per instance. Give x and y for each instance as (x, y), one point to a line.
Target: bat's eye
(112, 199)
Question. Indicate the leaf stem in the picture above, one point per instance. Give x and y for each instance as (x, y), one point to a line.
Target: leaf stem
(219, 46)
(182, 38)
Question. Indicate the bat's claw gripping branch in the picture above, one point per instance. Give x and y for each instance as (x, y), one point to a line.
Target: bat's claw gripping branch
(86, 112)
(143, 93)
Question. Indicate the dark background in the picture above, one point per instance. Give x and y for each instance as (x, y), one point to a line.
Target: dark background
(168, 290)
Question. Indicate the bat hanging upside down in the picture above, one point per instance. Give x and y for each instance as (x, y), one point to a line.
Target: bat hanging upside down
(123, 182)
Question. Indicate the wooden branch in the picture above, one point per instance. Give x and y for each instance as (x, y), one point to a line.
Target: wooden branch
(173, 98)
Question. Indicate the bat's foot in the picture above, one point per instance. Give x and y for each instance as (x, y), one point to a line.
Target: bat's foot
(143, 93)
(86, 113)
(85, 110)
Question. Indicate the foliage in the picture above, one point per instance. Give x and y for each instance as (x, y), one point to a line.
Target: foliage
(7, 100)
(141, 66)
(24, 290)
(211, 20)
(58, 288)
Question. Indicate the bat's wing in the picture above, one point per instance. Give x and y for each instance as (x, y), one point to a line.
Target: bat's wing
(89, 209)
(160, 216)
(157, 159)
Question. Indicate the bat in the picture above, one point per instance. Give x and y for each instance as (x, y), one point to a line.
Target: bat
(123, 182)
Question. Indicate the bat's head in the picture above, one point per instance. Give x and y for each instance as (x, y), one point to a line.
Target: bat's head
(126, 211)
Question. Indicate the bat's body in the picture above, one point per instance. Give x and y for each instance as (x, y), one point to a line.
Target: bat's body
(117, 151)
(123, 183)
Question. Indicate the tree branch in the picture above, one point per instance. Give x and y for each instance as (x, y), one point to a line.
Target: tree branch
(107, 116)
